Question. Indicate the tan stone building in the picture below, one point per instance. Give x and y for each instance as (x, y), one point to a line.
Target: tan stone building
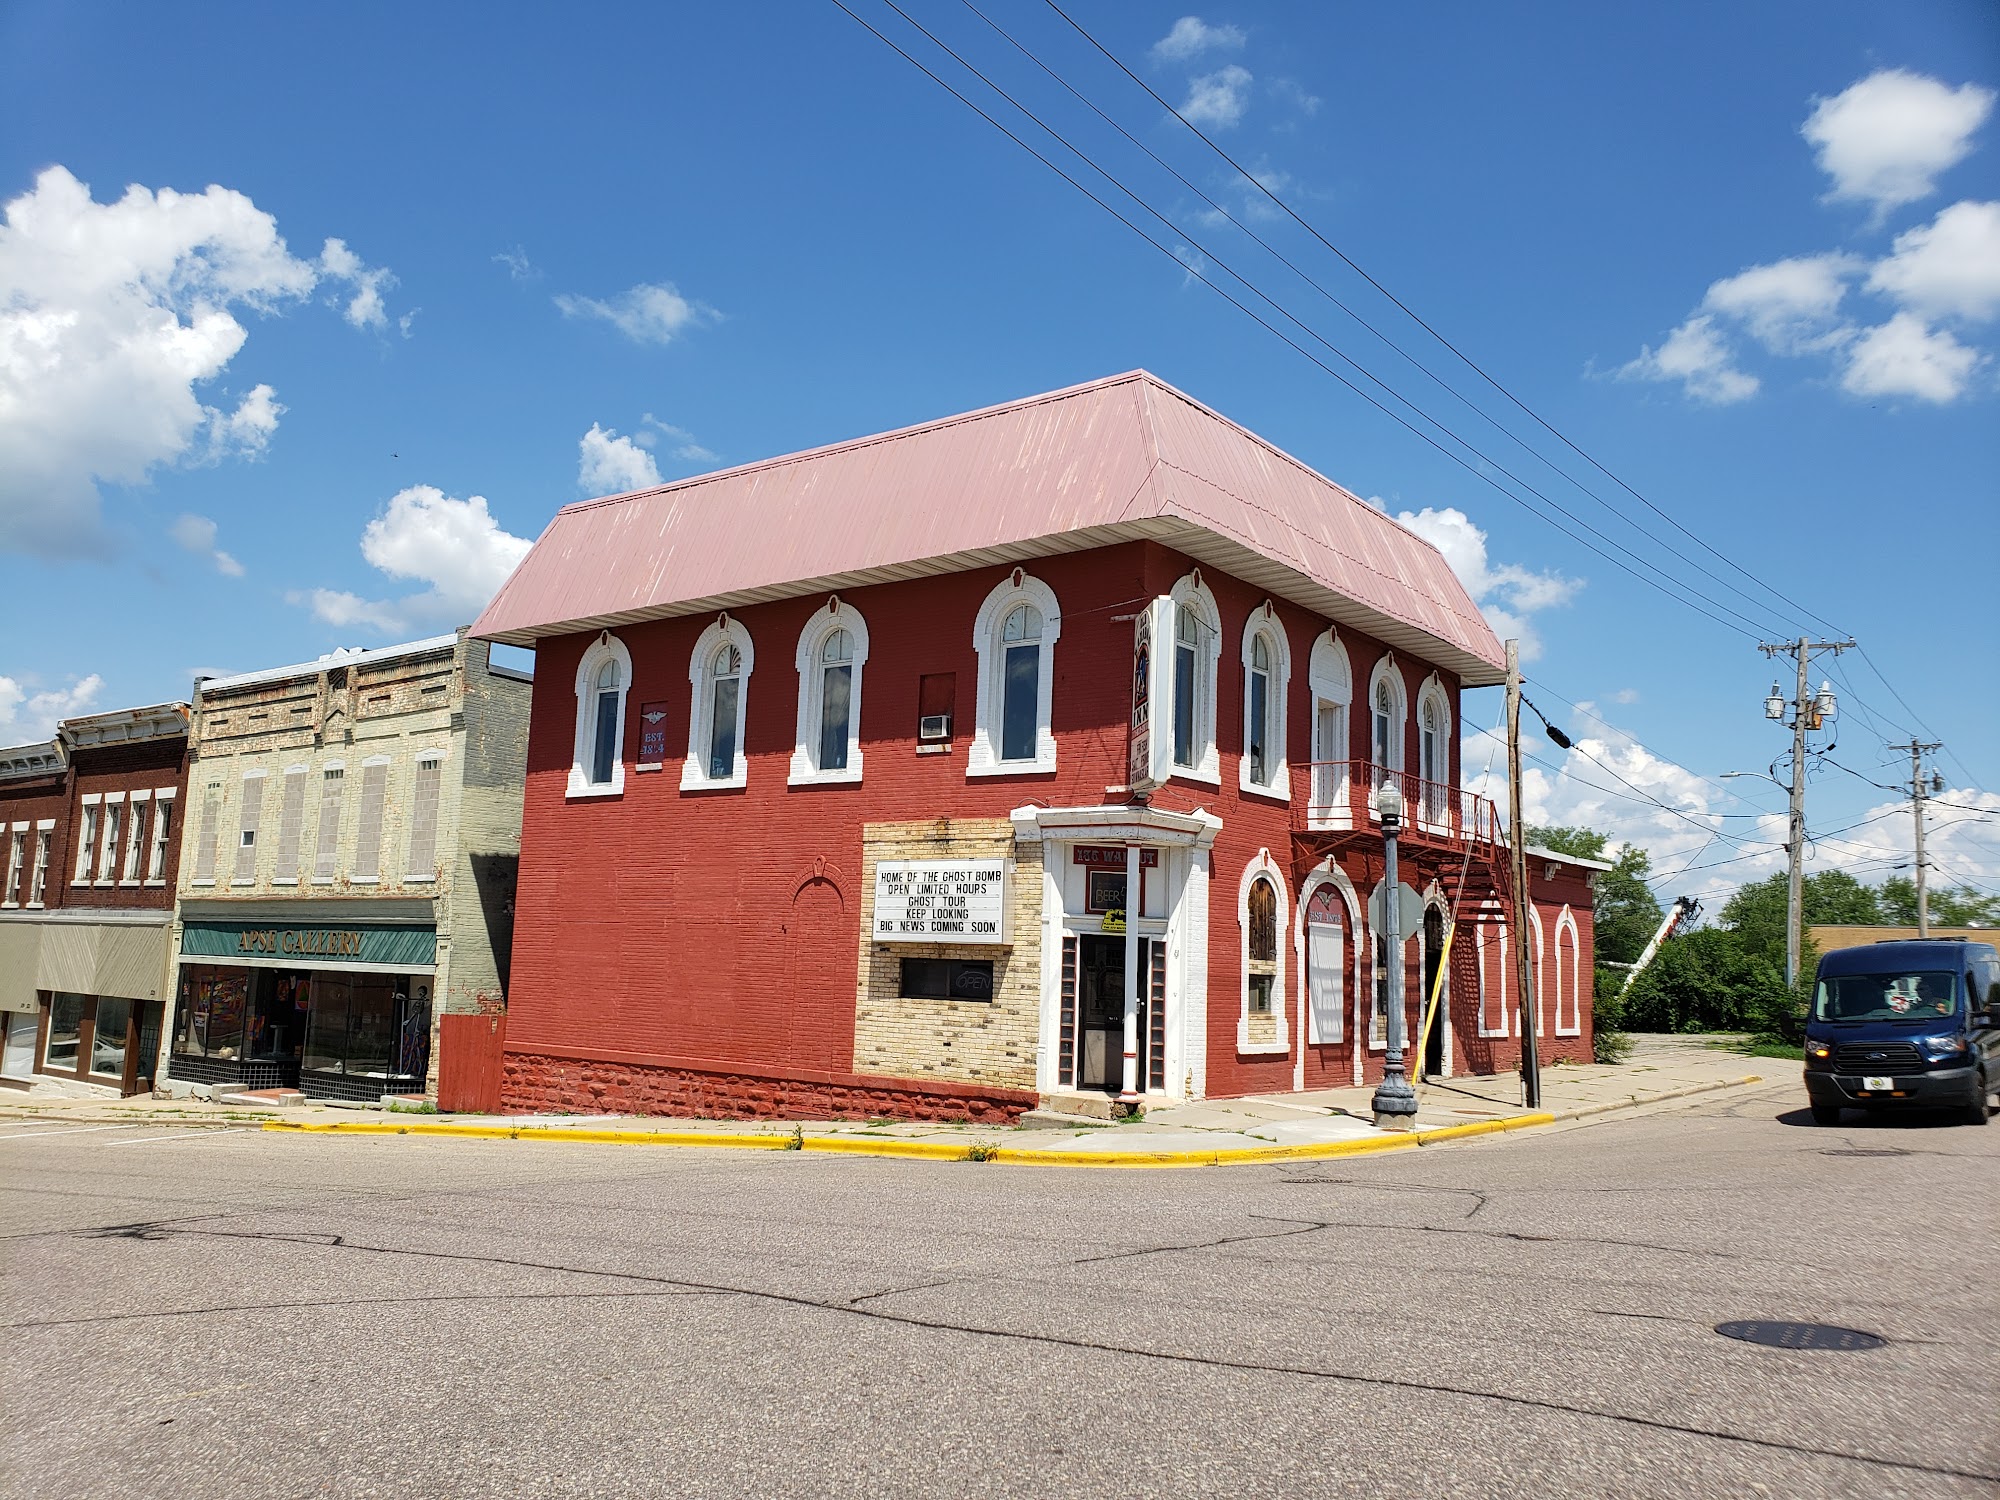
(353, 837)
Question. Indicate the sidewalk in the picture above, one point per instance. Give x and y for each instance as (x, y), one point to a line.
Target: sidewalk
(1332, 1122)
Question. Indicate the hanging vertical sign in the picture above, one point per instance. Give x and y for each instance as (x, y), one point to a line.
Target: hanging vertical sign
(1146, 759)
(652, 736)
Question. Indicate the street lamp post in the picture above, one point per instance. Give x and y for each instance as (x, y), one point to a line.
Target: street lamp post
(1395, 1102)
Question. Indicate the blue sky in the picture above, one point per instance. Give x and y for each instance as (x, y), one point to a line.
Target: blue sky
(1745, 257)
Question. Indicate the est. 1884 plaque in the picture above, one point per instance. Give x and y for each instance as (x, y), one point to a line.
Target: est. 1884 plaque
(941, 901)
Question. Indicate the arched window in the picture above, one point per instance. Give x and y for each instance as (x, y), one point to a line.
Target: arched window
(1489, 935)
(1332, 683)
(1434, 752)
(603, 680)
(1385, 722)
(1569, 979)
(1326, 947)
(719, 674)
(1015, 635)
(1260, 1026)
(1267, 674)
(833, 647)
(1197, 659)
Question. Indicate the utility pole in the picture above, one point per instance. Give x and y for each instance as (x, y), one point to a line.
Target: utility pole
(1807, 712)
(1918, 793)
(1526, 1012)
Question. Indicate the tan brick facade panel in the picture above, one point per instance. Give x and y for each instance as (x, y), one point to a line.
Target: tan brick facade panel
(987, 1042)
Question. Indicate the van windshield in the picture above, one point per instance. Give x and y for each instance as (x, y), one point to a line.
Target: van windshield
(1886, 997)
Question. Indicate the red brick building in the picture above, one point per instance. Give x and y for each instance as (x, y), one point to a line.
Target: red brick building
(1024, 753)
(91, 824)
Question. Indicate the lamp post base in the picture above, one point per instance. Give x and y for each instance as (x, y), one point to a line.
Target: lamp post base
(1395, 1103)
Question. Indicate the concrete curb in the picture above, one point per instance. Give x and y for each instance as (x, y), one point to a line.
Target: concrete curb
(1587, 1110)
(1021, 1156)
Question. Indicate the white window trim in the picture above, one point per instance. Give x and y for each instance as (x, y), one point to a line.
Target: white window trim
(1387, 670)
(1264, 622)
(607, 647)
(1571, 971)
(108, 842)
(1330, 679)
(1491, 919)
(298, 868)
(44, 826)
(1207, 768)
(838, 615)
(166, 794)
(1432, 694)
(135, 849)
(16, 874)
(1262, 866)
(1535, 968)
(86, 847)
(694, 770)
(382, 828)
(1327, 875)
(982, 756)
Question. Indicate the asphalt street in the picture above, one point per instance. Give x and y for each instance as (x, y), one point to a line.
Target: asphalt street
(193, 1312)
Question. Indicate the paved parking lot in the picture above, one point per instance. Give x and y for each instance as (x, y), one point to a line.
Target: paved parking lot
(1521, 1315)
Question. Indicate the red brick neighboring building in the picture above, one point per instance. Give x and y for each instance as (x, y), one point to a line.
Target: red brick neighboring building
(92, 846)
(1019, 754)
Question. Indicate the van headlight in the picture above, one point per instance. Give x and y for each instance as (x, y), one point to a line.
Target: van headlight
(1938, 1048)
(1818, 1049)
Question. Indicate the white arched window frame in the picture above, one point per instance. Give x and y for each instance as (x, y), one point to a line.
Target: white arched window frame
(985, 757)
(832, 646)
(1327, 960)
(1197, 661)
(1434, 807)
(594, 702)
(1388, 728)
(1331, 681)
(717, 676)
(1489, 935)
(1267, 658)
(1535, 969)
(1569, 978)
(1263, 867)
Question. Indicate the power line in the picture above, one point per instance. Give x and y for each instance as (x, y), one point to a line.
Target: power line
(1687, 594)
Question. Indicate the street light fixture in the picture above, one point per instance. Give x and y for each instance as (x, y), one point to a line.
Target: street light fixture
(1395, 1102)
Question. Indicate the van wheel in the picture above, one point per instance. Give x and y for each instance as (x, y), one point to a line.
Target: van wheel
(1975, 1112)
(1826, 1114)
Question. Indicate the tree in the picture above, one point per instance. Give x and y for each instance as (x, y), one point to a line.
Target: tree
(1756, 913)
(1707, 980)
(1961, 906)
(1627, 912)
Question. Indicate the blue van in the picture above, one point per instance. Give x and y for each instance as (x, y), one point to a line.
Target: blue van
(1914, 1022)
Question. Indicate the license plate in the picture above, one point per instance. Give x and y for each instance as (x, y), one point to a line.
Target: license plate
(1879, 1085)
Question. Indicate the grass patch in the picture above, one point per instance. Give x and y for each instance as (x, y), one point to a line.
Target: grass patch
(981, 1151)
(1761, 1046)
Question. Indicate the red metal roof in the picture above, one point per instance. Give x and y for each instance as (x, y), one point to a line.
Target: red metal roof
(1117, 459)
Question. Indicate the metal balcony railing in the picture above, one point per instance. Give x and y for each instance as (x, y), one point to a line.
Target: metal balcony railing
(1340, 795)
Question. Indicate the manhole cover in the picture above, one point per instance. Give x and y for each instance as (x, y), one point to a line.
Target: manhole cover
(1800, 1335)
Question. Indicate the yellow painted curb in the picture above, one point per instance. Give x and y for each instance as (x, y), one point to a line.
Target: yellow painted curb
(1023, 1156)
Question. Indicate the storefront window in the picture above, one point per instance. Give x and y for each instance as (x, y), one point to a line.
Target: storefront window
(374, 1026)
(208, 1021)
(107, 1036)
(65, 1033)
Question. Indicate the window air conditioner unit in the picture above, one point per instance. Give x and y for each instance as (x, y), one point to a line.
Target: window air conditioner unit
(934, 727)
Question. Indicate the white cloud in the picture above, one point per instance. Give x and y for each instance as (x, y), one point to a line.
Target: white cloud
(423, 534)
(365, 308)
(1625, 695)
(1885, 139)
(27, 716)
(1191, 36)
(1789, 306)
(1947, 268)
(196, 534)
(1507, 593)
(1907, 357)
(112, 315)
(1696, 355)
(685, 447)
(608, 464)
(1294, 94)
(1218, 99)
(519, 267)
(650, 313)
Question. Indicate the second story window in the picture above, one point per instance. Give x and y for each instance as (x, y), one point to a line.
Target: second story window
(135, 841)
(204, 852)
(422, 863)
(291, 820)
(368, 831)
(245, 872)
(719, 674)
(1267, 678)
(1015, 635)
(17, 859)
(163, 827)
(1386, 720)
(326, 851)
(1197, 663)
(87, 845)
(107, 855)
(603, 681)
(44, 840)
(833, 648)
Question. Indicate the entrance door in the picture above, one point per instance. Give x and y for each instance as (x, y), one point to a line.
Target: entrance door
(1100, 1003)
(1433, 961)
